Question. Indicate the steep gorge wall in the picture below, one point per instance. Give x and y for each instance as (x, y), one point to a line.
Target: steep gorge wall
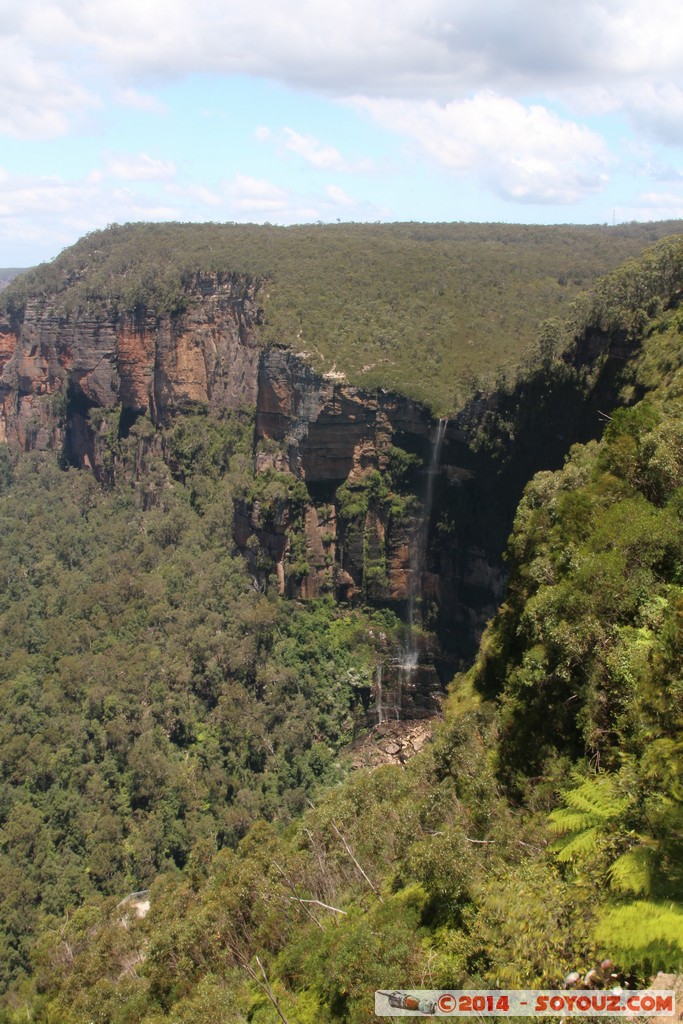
(333, 435)
(345, 533)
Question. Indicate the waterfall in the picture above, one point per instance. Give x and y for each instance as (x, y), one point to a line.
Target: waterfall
(406, 669)
(389, 704)
(378, 694)
(433, 470)
(418, 557)
(418, 554)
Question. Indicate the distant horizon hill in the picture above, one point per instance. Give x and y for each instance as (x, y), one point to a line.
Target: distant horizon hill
(8, 274)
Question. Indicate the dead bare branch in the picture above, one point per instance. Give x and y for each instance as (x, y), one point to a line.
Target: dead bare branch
(295, 896)
(351, 855)
(318, 903)
(241, 958)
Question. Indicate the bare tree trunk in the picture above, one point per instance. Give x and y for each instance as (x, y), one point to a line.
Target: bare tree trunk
(351, 855)
(264, 984)
(296, 897)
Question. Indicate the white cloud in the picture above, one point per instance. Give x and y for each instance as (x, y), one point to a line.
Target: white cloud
(657, 111)
(37, 97)
(441, 45)
(140, 168)
(339, 196)
(314, 152)
(442, 49)
(256, 199)
(141, 101)
(653, 205)
(205, 195)
(320, 156)
(44, 214)
(58, 56)
(526, 154)
(256, 196)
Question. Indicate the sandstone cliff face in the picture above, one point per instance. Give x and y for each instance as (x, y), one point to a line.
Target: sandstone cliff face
(332, 430)
(53, 367)
(329, 433)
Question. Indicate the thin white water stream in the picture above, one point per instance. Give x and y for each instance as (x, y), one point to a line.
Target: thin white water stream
(418, 556)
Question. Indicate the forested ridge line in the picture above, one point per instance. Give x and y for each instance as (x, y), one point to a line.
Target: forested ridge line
(462, 301)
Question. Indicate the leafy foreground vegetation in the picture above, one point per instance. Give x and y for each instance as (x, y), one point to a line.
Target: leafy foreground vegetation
(541, 831)
(461, 301)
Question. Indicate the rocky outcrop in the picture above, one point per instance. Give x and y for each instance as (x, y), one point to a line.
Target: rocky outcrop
(8, 343)
(329, 433)
(56, 366)
(330, 430)
(389, 743)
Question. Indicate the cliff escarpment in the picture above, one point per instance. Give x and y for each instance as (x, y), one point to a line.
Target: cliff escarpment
(57, 366)
(360, 458)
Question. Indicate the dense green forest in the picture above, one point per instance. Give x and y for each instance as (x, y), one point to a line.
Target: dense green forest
(155, 703)
(169, 725)
(462, 301)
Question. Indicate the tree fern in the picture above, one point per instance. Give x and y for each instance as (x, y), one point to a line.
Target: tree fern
(644, 930)
(598, 797)
(589, 810)
(634, 870)
(579, 845)
(627, 830)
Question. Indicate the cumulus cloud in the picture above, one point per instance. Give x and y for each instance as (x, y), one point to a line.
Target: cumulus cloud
(256, 196)
(442, 45)
(257, 199)
(314, 152)
(141, 101)
(654, 205)
(140, 168)
(441, 49)
(37, 98)
(339, 196)
(454, 77)
(657, 111)
(527, 154)
(317, 154)
(46, 213)
(86, 201)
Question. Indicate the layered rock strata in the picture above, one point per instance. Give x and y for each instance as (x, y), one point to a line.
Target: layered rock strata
(55, 366)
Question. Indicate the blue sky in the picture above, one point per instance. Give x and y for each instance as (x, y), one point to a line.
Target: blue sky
(291, 112)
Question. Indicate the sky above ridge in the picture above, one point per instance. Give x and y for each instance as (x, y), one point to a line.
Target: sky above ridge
(536, 111)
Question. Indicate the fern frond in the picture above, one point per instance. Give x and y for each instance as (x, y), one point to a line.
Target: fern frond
(644, 930)
(564, 820)
(577, 845)
(597, 797)
(632, 872)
